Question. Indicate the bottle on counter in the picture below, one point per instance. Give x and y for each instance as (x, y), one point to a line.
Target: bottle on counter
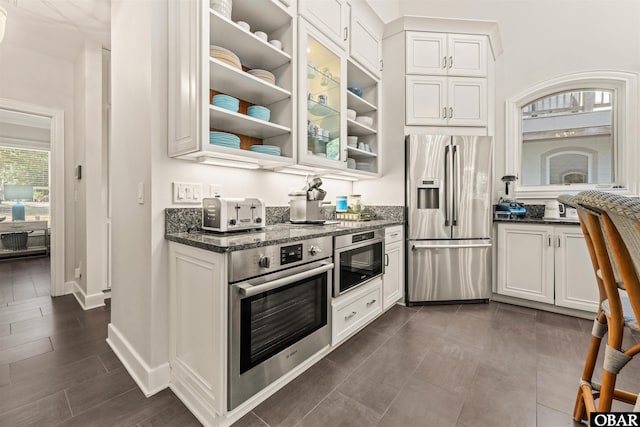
(17, 211)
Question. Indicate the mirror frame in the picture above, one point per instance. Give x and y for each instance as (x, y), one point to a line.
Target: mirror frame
(624, 128)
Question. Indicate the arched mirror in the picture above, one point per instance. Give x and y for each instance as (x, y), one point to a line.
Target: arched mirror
(573, 133)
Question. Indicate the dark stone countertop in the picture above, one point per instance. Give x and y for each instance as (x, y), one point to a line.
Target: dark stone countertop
(272, 235)
(529, 220)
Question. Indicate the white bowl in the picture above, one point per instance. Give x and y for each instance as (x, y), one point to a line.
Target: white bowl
(351, 114)
(276, 43)
(261, 35)
(245, 26)
(364, 120)
(352, 141)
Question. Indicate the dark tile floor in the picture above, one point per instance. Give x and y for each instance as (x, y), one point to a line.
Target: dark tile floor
(468, 365)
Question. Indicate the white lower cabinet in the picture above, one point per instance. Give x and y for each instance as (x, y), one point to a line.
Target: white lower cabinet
(393, 279)
(352, 311)
(546, 263)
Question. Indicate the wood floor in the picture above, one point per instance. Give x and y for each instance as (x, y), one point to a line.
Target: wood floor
(468, 365)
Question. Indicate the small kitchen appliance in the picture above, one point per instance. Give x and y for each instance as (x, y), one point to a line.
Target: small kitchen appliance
(509, 204)
(358, 259)
(305, 207)
(222, 214)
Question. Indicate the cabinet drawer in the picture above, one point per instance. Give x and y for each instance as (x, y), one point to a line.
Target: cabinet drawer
(393, 234)
(355, 311)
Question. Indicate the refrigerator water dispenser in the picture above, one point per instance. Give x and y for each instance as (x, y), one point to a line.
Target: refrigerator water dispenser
(429, 193)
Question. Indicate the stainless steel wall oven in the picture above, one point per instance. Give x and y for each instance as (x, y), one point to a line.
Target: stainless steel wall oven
(278, 313)
(358, 258)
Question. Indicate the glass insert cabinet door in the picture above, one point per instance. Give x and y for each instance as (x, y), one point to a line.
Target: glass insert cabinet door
(322, 133)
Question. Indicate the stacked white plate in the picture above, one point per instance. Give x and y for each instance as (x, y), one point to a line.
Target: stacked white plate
(223, 7)
(364, 166)
(263, 75)
(225, 55)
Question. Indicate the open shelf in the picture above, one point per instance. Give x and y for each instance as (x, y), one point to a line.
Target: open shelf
(263, 15)
(358, 153)
(241, 123)
(252, 51)
(360, 105)
(357, 129)
(320, 110)
(227, 79)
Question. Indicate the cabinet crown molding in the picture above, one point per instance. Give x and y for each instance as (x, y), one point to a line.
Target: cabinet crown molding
(448, 25)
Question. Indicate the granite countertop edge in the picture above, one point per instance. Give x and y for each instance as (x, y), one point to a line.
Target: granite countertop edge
(542, 221)
(272, 235)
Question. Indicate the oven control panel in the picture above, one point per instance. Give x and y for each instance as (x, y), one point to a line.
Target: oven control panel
(289, 254)
(362, 237)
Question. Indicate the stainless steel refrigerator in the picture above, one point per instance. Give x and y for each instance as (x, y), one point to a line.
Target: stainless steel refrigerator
(448, 199)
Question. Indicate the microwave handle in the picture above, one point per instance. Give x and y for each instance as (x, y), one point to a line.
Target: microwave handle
(248, 290)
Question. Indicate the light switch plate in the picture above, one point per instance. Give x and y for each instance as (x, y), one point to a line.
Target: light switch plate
(187, 192)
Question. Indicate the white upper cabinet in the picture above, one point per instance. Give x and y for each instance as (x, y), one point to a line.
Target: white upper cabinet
(446, 54)
(365, 39)
(446, 101)
(426, 53)
(330, 17)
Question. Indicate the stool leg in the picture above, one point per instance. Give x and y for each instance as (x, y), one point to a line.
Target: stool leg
(598, 331)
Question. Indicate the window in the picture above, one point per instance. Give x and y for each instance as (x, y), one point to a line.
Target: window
(24, 178)
(574, 133)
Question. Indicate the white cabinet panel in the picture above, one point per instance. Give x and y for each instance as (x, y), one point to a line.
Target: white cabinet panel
(365, 43)
(467, 100)
(353, 310)
(467, 55)
(329, 16)
(393, 279)
(525, 262)
(426, 53)
(426, 100)
(576, 285)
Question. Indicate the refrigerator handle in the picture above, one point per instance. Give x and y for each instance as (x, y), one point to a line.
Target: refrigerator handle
(446, 186)
(456, 182)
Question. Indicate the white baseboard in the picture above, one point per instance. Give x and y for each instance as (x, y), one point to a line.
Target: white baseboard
(69, 286)
(87, 302)
(150, 380)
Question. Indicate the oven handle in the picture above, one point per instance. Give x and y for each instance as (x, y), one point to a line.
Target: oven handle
(248, 290)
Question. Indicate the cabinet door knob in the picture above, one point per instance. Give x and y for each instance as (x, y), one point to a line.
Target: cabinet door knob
(381, 65)
(444, 62)
(386, 260)
(549, 239)
(346, 33)
(451, 112)
(450, 61)
(444, 112)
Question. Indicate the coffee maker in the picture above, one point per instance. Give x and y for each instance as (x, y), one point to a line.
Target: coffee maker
(305, 207)
(509, 207)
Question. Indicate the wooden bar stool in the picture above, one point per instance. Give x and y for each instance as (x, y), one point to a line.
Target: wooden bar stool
(622, 304)
(600, 322)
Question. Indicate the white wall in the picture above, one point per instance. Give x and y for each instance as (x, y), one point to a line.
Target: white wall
(387, 10)
(543, 39)
(36, 78)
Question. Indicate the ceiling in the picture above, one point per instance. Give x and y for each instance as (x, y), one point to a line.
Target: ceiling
(57, 27)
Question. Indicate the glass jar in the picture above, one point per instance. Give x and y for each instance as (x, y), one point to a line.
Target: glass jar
(355, 203)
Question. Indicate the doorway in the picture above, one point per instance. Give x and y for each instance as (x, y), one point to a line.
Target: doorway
(37, 203)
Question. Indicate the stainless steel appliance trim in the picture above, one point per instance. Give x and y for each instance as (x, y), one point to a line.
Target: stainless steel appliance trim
(470, 245)
(247, 290)
(242, 386)
(345, 241)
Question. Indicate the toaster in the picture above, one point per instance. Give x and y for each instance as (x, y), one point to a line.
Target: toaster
(224, 214)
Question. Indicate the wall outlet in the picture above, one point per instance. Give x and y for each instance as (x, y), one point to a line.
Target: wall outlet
(187, 192)
(77, 273)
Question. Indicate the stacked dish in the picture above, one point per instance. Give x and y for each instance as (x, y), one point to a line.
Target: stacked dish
(259, 112)
(224, 139)
(225, 55)
(364, 120)
(364, 166)
(227, 102)
(266, 149)
(223, 7)
(351, 163)
(263, 75)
